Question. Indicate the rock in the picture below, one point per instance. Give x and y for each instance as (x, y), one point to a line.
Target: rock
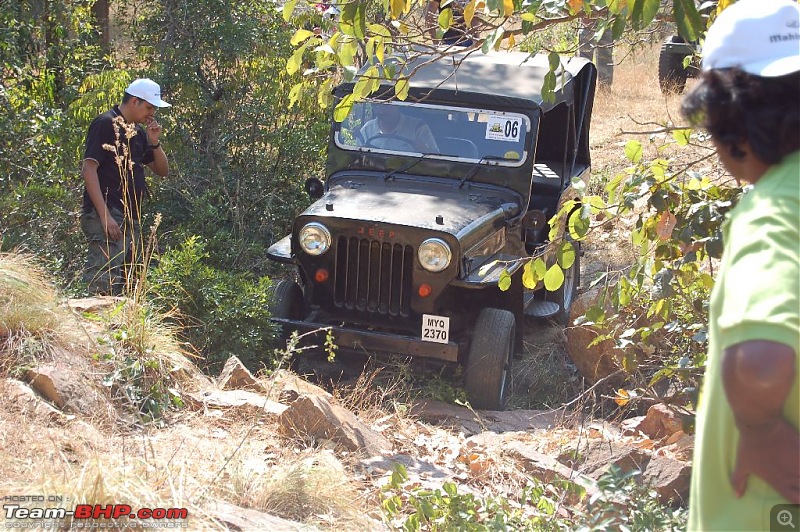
(69, 389)
(27, 400)
(245, 519)
(94, 304)
(598, 457)
(289, 387)
(475, 422)
(416, 467)
(316, 416)
(546, 468)
(631, 426)
(236, 399)
(670, 478)
(600, 360)
(662, 421)
(235, 376)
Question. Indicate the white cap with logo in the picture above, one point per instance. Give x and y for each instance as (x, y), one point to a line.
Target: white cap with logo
(761, 37)
(147, 90)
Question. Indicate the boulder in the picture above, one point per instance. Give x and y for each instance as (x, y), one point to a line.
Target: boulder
(69, 389)
(236, 399)
(288, 387)
(670, 478)
(315, 416)
(235, 376)
(600, 360)
(662, 421)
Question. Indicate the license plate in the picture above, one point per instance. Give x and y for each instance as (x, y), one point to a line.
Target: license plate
(435, 328)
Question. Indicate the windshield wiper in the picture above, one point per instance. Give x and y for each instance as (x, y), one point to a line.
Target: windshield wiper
(407, 167)
(474, 170)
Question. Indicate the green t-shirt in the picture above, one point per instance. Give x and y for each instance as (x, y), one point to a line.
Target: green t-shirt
(756, 297)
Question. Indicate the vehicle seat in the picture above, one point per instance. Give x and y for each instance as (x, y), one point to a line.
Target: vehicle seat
(456, 146)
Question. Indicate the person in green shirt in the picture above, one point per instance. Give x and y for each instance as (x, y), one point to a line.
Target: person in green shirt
(747, 447)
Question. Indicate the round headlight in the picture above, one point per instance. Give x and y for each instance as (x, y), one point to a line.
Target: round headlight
(314, 238)
(434, 255)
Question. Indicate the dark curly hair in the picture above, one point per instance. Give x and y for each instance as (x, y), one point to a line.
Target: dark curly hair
(735, 106)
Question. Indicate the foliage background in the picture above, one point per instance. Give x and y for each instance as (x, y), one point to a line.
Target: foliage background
(238, 154)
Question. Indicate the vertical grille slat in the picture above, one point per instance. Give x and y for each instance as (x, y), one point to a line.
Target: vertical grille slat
(372, 276)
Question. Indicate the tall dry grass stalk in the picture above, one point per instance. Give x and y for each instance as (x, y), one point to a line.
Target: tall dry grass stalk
(313, 488)
(28, 301)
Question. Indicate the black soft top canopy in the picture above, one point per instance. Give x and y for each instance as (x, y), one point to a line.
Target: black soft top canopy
(511, 80)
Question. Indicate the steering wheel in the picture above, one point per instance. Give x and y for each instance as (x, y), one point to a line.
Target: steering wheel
(370, 143)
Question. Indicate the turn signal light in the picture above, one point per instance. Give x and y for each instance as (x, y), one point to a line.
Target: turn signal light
(321, 276)
(424, 290)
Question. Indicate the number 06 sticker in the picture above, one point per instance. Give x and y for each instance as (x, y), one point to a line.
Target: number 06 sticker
(507, 128)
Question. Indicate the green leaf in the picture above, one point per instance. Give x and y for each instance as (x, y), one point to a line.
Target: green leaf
(294, 62)
(287, 10)
(539, 267)
(300, 36)
(554, 278)
(578, 225)
(681, 136)
(687, 18)
(360, 22)
(294, 94)
(343, 108)
(643, 12)
(401, 88)
(633, 151)
(504, 283)
(566, 255)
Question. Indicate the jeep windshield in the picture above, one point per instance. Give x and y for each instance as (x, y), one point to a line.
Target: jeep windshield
(453, 133)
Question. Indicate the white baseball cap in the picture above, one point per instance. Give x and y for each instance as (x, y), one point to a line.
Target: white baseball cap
(147, 90)
(761, 37)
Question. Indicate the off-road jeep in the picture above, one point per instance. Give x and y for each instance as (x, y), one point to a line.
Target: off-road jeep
(403, 249)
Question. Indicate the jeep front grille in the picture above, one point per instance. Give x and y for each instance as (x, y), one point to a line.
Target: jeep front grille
(373, 276)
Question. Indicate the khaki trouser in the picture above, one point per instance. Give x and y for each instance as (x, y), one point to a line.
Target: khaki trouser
(109, 262)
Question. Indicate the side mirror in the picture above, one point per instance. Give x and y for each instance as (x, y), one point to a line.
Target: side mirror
(314, 188)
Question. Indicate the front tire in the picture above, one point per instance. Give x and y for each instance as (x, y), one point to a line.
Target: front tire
(287, 300)
(488, 375)
(565, 295)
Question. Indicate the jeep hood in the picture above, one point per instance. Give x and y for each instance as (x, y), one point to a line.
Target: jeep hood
(438, 205)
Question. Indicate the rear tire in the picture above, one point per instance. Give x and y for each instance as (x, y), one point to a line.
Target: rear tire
(671, 73)
(488, 375)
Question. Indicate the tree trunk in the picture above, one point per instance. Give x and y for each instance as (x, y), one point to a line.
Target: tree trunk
(101, 16)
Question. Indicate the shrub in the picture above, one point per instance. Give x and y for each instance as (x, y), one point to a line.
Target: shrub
(222, 313)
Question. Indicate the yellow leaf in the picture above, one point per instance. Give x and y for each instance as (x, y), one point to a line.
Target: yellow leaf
(508, 8)
(622, 397)
(575, 6)
(469, 12)
(397, 8)
(511, 41)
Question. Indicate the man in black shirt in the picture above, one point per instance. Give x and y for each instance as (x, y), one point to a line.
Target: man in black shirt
(119, 144)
